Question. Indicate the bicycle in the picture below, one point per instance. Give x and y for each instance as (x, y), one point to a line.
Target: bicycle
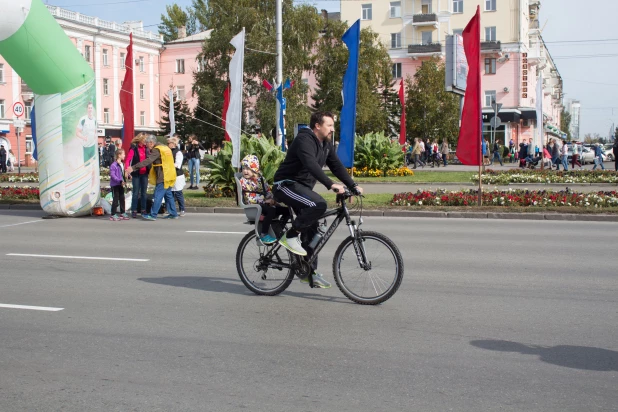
(269, 270)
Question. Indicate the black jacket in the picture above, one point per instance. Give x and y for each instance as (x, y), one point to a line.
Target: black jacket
(3, 154)
(193, 151)
(305, 159)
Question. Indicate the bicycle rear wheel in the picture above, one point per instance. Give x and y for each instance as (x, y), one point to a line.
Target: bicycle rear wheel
(380, 281)
(255, 266)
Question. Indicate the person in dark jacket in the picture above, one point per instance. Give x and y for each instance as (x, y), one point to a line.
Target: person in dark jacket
(523, 153)
(139, 178)
(3, 159)
(297, 175)
(615, 150)
(194, 156)
(497, 151)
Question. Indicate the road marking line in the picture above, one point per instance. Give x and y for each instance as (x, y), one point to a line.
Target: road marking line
(215, 232)
(77, 257)
(23, 223)
(43, 308)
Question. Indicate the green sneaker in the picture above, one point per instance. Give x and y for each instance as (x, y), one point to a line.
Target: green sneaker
(318, 281)
(293, 245)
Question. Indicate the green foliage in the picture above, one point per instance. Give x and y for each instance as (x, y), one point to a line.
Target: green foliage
(565, 123)
(257, 17)
(431, 112)
(222, 172)
(375, 151)
(182, 116)
(176, 17)
(374, 77)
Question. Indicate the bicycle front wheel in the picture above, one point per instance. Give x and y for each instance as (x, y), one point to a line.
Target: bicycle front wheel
(378, 282)
(260, 267)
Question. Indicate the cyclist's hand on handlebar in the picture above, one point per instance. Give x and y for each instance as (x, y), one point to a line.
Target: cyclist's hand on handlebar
(337, 188)
(357, 190)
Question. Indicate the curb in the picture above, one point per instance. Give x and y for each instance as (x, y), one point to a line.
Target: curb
(406, 213)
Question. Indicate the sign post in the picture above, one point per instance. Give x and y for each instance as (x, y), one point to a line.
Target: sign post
(18, 111)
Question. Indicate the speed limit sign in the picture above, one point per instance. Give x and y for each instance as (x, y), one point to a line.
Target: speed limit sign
(18, 109)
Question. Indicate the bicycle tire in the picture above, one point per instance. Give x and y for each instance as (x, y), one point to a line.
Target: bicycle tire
(398, 266)
(285, 282)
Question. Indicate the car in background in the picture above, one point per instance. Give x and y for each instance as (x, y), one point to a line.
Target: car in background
(586, 155)
(608, 150)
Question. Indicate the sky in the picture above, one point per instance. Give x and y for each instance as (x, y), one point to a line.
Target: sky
(577, 33)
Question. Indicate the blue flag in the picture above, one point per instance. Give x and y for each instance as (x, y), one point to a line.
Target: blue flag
(351, 38)
(35, 154)
(281, 113)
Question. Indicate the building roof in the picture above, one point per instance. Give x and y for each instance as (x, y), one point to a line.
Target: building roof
(194, 37)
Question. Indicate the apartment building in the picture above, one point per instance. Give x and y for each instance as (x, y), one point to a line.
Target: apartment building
(574, 108)
(512, 52)
(103, 44)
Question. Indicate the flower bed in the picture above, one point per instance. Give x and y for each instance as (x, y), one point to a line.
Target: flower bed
(495, 177)
(528, 198)
(364, 172)
(19, 193)
(24, 178)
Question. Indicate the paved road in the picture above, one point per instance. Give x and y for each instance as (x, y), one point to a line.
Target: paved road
(492, 315)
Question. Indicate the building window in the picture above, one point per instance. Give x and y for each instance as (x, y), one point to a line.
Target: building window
(426, 37)
(395, 9)
(122, 60)
(28, 109)
(490, 66)
(395, 40)
(141, 92)
(458, 31)
(106, 87)
(1, 73)
(490, 97)
(105, 115)
(397, 70)
(105, 61)
(426, 6)
(29, 145)
(1, 109)
(87, 53)
(180, 92)
(490, 5)
(180, 65)
(142, 118)
(141, 64)
(490, 33)
(201, 64)
(366, 9)
(457, 6)
(305, 81)
(251, 117)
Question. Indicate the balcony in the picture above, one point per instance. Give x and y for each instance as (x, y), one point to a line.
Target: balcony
(430, 19)
(26, 92)
(491, 46)
(429, 48)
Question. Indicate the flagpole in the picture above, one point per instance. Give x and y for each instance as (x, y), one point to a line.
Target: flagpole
(279, 41)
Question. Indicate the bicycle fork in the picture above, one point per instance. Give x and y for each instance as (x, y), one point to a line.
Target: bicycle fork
(359, 245)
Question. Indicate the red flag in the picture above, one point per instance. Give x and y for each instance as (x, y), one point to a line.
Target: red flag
(226, 104)
(471, 131)
(267, 85)
(126, 98)
(402, 126)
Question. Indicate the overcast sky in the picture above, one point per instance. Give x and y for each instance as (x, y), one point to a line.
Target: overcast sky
(574, 31)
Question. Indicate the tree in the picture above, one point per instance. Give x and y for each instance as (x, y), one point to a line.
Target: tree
(565, 123)
(176, 17)
(182, 116)
(592, 138)
(374, 77)
(431, 111)
(257, 17)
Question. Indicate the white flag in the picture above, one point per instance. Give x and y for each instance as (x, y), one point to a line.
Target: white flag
(234, 110)
(540, 132)
(171, 114)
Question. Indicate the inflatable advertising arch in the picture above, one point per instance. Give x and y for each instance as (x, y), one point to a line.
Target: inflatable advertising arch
(39, 51)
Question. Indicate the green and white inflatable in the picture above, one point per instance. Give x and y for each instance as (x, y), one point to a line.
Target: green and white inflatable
(39, 51)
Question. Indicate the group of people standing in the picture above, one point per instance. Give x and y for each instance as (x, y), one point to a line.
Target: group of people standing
(7, 160)
(149, 161)
(425, 152)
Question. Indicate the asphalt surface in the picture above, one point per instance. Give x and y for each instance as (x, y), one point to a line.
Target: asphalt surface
(492, 315)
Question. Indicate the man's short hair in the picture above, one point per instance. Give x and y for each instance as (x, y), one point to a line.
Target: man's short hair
(318, 118)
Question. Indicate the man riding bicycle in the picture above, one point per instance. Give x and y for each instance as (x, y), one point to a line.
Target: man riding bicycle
(296, 177)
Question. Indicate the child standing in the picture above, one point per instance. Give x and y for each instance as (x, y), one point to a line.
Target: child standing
(116, 175)
(256, 191)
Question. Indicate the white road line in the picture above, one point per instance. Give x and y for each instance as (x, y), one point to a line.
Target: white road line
(23, 223)
(43, 308)
(215, 232)
(78, 257)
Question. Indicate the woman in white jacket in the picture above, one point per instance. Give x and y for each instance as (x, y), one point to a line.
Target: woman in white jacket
(172, 142)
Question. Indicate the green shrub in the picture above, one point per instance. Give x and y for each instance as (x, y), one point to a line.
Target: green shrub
(375, 151)
(222, 172)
